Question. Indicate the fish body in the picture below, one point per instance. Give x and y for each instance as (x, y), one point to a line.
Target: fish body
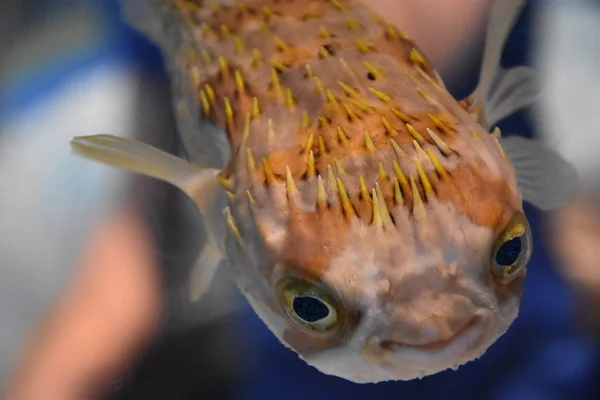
(370, 219)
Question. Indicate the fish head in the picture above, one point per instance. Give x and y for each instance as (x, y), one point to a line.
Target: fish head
(390, 262)
(389, 306)
(387, 284)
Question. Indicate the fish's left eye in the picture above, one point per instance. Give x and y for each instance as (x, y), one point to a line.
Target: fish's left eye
(512, 250)
(308, 306)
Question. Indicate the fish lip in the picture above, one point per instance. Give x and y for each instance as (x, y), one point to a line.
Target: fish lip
(481, 321)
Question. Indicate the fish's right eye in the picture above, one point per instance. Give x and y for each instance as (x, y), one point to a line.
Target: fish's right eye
(308, 305)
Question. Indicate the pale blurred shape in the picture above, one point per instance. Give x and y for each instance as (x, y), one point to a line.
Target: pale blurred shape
(567, 56)
(50, 199)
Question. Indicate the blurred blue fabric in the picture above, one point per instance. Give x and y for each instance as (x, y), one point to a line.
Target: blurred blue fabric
(541, 357)
(116, 44)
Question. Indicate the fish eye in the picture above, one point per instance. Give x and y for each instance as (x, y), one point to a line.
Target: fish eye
(512, 250)
(308, 305)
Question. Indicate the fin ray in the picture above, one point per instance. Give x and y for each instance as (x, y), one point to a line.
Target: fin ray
(503, 16)
(515, 88)
(545, 179)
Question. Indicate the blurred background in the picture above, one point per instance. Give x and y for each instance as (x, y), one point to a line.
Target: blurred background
(70, 68)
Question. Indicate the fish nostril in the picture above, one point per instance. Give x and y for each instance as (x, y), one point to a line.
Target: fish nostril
(389, 345)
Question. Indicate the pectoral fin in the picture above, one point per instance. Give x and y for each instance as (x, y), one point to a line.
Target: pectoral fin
(144, 159)
(503, 15)
(514, 89)
(200, 184)
(545, 179)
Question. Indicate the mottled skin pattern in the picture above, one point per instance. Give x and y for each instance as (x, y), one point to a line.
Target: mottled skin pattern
(353, 168)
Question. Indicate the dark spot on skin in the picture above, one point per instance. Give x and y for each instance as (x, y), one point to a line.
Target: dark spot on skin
(388, 345)
(370, 76)
(329, 49)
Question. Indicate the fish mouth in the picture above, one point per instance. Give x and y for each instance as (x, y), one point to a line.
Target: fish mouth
(467, 330)
(407, 361)
(380, 359)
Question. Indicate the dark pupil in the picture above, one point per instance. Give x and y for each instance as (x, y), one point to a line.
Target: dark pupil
(310, 309)
(509, 252)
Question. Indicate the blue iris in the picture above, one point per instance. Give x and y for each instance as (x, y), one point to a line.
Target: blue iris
(509, 251)
(310, 309)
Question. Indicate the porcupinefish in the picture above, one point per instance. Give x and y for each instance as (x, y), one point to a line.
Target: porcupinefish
(370, 219)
